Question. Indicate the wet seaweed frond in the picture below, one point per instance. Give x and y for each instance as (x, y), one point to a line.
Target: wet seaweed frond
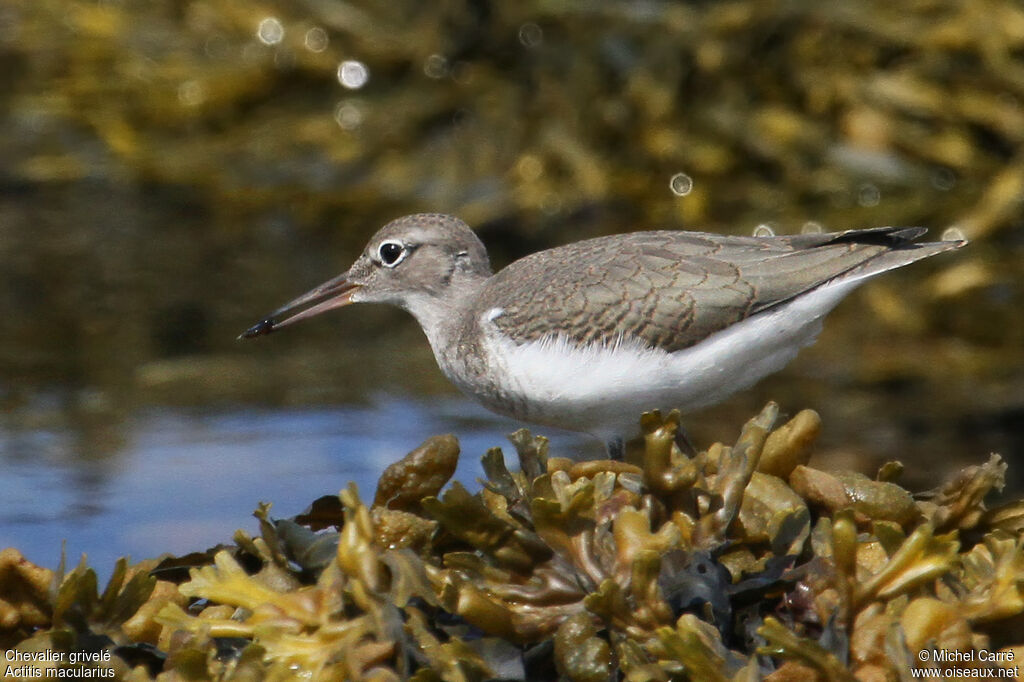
(739, 562)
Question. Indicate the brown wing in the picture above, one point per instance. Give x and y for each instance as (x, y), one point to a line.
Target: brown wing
(672, 289)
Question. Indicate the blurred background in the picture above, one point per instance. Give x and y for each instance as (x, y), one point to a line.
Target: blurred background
(172, 171)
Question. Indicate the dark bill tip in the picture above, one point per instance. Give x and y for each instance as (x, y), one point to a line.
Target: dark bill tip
(331, 294)
(261, 328)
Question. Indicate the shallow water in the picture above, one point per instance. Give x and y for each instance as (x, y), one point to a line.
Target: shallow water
(186, 479)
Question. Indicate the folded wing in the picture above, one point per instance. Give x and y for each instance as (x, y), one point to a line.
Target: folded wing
(670, 290)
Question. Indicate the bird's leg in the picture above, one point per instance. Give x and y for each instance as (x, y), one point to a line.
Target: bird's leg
(616, 448)
(684, 443)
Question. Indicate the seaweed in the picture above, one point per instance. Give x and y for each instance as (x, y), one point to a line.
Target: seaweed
(739, 562)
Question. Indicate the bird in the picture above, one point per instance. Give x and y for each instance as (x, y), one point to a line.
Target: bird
(588, 335)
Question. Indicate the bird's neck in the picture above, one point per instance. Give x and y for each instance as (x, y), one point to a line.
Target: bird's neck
(443, 315)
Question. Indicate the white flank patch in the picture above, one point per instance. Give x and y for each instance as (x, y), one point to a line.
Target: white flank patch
(603, 388)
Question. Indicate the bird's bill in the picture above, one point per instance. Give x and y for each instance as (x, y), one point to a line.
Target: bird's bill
(331, 294)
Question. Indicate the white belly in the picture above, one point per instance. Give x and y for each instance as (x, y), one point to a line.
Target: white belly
(602, 389)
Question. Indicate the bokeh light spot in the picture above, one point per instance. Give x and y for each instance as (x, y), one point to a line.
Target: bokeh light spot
(681, 184)
(868, 195)
(316, 39)
(353, 74)
(531, 35)
(348, 115)
(435, 66)
(270, 31)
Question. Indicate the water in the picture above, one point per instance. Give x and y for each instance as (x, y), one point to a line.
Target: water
(186, 479)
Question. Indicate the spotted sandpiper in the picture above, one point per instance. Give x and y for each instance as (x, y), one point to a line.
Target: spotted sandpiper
(588, 335)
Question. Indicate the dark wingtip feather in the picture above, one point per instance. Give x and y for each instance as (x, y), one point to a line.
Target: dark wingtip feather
(881, 236)
(908, 234)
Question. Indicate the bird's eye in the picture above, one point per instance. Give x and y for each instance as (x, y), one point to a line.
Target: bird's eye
(391, 253)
